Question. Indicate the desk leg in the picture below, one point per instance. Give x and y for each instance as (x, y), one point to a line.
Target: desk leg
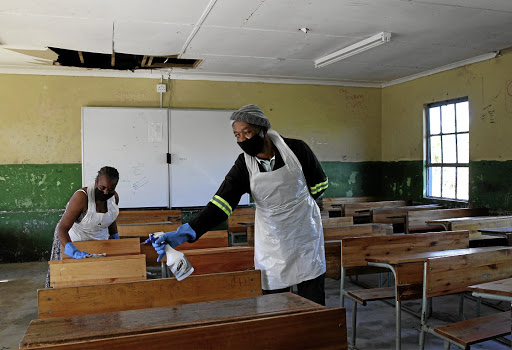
(398, 309)
(342, 287)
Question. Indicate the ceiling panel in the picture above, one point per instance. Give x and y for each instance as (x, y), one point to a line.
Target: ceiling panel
(150, 38)
(260, 39)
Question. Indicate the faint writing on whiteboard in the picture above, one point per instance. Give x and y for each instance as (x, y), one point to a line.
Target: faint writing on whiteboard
(138, 169)
(140, 183)
(155, 132)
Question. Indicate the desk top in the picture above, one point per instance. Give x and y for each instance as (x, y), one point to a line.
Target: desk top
(468, 218)
(114, 324)
(500, 287)
(502, 230)
(421, 257)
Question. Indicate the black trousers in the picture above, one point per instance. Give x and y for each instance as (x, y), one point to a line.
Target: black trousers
(313, 290)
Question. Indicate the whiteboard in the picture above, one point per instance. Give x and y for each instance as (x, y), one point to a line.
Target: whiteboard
(203, 149)
(135, 141)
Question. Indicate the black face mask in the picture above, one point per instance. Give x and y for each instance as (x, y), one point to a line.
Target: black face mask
(252, 146)
(102, 196)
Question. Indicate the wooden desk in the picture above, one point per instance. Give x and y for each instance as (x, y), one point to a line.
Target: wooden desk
(226, 324)
(407, 269)
(497, 290)
(473, 224)
(505, 232)
(416, 220)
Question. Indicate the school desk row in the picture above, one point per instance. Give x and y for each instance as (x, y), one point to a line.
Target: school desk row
(426, 265)
(214, 311)
(339, 252)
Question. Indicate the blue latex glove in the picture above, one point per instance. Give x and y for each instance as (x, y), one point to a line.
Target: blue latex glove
(72, 251)
(174, 238)
(114, 236)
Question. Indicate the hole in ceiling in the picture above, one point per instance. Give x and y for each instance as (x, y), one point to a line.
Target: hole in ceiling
(121, 61)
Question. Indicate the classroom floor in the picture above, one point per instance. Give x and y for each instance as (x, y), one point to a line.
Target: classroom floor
(18, 306)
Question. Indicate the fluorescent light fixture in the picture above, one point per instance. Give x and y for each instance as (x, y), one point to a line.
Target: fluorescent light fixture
(354, 49)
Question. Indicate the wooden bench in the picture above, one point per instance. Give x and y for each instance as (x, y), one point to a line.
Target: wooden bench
(145, 216)
(142, 231)
(416, 220)
(474, 224)
(93, 299)
(363, 209)
(275, 321)
(454, 274)
(211, 239)
(73, 272)
(357, 251)
(111, 247)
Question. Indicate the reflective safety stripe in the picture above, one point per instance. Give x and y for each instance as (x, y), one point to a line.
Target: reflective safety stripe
(319, 187)
(222, 204)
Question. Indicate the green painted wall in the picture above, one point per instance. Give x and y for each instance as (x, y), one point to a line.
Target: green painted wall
(32, 202)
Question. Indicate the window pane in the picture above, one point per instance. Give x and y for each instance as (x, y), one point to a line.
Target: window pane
(434, 120)
(462, 109)
(435, 181)
(448, 118)
(463, 183)
(463, 148)
(435, 149)
(449, 149)
(448, 182)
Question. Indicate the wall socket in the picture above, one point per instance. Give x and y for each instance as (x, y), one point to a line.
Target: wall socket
(161, 88)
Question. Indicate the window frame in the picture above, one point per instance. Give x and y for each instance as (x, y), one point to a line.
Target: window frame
(429, 165)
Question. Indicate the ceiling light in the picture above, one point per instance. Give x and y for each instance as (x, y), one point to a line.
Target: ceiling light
(354, 49)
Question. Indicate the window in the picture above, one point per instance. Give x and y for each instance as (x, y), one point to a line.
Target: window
(448, 150)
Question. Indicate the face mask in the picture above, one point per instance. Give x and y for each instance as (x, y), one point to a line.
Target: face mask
(252, 146)
(101, 196)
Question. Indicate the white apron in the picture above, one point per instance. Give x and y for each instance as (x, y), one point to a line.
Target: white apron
(94, 225)
(288, 234)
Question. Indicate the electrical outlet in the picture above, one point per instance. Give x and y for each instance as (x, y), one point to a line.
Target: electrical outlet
(161, 88)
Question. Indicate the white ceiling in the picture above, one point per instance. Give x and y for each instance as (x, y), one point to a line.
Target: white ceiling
(258, 40)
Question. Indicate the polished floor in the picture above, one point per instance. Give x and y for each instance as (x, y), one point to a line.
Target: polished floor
(18, 306)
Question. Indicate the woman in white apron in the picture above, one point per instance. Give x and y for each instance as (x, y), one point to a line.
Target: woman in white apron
(284, 177)
(90, 214)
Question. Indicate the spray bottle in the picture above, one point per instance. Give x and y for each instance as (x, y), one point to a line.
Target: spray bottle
(176, 260)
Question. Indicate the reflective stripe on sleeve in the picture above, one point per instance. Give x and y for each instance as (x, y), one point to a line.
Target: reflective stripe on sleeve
(320, 187)
(222, 205)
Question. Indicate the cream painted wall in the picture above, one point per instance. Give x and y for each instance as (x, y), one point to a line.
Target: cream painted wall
(488, 86)
(41, 115)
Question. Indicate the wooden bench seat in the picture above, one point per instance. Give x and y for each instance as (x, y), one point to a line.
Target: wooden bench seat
(362, 296)
(73, 272)
(93, 299)
(476, 330)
